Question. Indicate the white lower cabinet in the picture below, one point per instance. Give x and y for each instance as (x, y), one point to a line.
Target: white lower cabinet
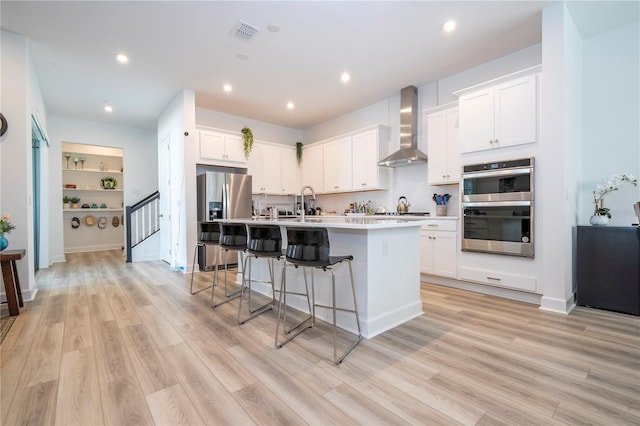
(516, 273)
(498, 278)
(438, 248)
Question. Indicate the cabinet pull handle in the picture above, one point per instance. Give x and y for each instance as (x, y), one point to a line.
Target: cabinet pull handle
(494, 279)
(491, 142)
(432, 225)
(496, 141)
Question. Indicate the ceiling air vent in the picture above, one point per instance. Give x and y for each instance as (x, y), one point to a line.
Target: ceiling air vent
(243, 31)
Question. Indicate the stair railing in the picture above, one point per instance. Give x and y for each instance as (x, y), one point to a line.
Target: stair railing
(142, 220)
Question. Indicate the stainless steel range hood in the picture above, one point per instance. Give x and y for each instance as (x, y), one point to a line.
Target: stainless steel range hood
(408, 153)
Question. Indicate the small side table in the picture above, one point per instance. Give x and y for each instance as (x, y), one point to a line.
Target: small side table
(11, 280)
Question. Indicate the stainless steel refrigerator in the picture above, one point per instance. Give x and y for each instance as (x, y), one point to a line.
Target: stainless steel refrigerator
(221, 195)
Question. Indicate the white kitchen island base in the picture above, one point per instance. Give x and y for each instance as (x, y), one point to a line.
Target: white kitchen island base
(386, 271)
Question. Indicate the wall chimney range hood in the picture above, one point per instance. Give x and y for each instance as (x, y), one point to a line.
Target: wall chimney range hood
(408, 153)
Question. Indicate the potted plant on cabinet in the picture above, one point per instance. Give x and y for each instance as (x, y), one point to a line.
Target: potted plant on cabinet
(299, 152)
(74, 202)
(247, 141)
(66, 202)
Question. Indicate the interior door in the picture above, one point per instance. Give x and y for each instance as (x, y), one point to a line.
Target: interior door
(164, 184)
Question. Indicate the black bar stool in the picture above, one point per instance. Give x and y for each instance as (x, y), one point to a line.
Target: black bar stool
(264, 242)
(309, 248)
(233, 236)
(209, 235)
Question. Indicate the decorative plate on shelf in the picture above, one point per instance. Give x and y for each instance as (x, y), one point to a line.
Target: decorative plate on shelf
(108, 182)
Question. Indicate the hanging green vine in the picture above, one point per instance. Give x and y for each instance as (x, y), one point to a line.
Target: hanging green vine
(247, 139)
(299, 152)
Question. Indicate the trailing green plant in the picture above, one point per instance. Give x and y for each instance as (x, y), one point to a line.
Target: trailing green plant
(299, 152)
(247, 141)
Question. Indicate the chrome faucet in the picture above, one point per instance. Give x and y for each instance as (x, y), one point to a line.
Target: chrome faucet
(313, 193)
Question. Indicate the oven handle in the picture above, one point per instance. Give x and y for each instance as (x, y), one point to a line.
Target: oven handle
(493, 173)
(497, 204)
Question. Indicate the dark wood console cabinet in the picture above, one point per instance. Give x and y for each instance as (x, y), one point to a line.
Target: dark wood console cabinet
(608, 263)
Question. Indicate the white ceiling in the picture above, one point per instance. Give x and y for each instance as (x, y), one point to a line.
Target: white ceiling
(175, 45)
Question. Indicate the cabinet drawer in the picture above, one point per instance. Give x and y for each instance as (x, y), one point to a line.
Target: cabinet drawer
(502, 279)
(440, 225)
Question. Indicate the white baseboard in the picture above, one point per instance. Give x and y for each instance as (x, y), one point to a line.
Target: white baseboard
(560, 306)
(93, 248)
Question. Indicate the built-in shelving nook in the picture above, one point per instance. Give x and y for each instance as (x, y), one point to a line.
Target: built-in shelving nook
(94, 175)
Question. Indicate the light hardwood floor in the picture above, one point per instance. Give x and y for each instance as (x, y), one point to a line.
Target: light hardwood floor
(112, 343)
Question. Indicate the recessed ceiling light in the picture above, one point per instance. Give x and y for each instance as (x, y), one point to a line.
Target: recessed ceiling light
(243, 56)
(345, 77)
(227, 88)
(108, 108)
(273, 28)
(290, 105)
(122, 58)
(449, 26)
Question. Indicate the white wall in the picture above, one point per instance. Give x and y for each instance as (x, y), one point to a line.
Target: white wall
(140, 174)
(19, 95)
(611, 106)
(559, 130)
(411, 181)
(262, 131)
(178, 118)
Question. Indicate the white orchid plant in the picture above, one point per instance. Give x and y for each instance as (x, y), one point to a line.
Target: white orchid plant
(611, 184)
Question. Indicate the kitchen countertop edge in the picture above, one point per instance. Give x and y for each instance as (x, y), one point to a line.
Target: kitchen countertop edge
(340, 222)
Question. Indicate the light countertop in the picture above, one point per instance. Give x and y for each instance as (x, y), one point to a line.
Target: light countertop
(344, 222)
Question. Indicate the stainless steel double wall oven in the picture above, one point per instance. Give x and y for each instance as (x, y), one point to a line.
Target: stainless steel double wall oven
(497, 205)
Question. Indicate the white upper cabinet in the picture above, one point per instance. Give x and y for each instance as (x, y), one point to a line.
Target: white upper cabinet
(338, 165)
(254, 168)
(290, 171)
(442, 146)
(348, 163)
(366, 174)
(271, 169)
(219, 147)
(274, 169)
(499, 116)
(313, 167)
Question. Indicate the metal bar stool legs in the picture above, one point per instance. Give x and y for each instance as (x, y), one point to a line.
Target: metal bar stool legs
(308, 247)
(308, 321)
(233, 236)
(246, 284)
(228, 296)
(334, 308)
(193, 267)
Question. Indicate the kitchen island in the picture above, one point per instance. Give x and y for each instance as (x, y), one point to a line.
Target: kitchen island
(386, 269)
